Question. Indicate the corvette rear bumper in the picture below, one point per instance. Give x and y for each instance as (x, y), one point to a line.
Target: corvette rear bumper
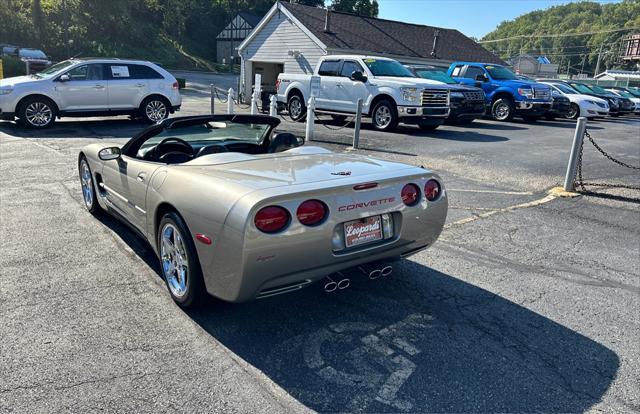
(250, 264)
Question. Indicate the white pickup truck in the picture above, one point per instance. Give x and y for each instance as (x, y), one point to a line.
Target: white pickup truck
(390, 92)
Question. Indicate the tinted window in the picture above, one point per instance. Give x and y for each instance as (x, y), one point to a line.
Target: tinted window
(473, 72)
(566, 89)
(349, 67)
(90, 72)
(143, 72)
(384, 67)
(500, 73)
(329, 68)
(434, 74)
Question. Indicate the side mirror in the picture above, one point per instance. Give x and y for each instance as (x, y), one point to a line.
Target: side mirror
(358, 76)
(481, 78)
(64, 78)
(111, 153)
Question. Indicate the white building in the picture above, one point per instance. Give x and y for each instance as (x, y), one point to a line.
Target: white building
(292, 37)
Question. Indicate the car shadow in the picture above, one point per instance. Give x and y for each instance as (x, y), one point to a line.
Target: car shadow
(422, 341)
(418, 341)
(107, 128)
(464, 136)
(500, 126)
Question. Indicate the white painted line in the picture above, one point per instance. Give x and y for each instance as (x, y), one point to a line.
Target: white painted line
(502, 210)
(467, 190)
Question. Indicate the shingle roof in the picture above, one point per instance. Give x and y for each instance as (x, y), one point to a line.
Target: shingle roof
(252, 19)
(368, 34)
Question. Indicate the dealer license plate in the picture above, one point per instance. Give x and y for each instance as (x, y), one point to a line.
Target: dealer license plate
(362, 231)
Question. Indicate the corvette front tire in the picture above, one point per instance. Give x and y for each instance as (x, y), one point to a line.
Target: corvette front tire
(179, 262)
(89, 195)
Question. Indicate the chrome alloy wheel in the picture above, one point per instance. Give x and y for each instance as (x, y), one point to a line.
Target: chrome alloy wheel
(573, 111)
(382, 117)
(87, 184)
(501, 111)
(38, 114)
(156, 110)
(295, 108)
(175, 262)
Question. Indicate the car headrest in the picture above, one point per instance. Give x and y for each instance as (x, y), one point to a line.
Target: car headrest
(282, 142)
(175, 157)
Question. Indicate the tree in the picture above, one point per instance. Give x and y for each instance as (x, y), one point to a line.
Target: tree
(367, 8)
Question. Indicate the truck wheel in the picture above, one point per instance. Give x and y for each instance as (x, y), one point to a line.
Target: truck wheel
(37, 112)
(574, 111)
(502, 109)
(296, 107)
(384, 116)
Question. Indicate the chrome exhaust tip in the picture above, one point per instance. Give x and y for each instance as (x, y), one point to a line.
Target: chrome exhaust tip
(386, 271)
(330, 286)
(344, 283)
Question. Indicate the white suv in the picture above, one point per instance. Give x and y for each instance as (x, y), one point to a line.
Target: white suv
(90, 87)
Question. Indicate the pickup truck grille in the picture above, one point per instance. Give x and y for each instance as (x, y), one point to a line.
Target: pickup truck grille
(474, 95)
(435, 98)
(539, 93)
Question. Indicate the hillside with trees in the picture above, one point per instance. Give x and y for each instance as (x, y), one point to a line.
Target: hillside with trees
(176, 33)
(551, 33)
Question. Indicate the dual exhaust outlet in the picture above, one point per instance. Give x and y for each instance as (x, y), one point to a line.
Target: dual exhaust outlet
(373, 271)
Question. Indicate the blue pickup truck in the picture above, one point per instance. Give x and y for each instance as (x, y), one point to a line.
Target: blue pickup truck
(505, 94)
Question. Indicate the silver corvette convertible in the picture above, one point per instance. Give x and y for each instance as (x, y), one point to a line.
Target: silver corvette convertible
(238, 210)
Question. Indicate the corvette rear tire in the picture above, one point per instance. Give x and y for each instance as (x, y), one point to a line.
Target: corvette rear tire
(179, 262)
(88, 187)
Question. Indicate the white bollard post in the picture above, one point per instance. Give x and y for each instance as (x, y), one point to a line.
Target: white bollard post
(569, 179)
(213, 99)
(273, 106)
(356, 129)
(254, 104)
(230, 97)
(311, 108)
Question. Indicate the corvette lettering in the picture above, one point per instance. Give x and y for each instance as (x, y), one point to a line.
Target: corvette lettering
(367, 204)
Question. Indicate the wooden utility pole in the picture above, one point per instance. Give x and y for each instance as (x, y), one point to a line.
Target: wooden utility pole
(598, 62)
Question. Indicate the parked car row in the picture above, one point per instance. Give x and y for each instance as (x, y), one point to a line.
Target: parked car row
(36, 58)
(90, 87)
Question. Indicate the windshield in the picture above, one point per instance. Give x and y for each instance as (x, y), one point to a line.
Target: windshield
(582, 88)
(635, 93)
(566, 89)
(384, 67)
(32, 54)
(434, 74)
(52, 70)
(599, 90)
(624, 93)
(500, 73)
(200, 135)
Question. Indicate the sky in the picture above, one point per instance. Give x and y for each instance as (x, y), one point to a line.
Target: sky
(471, 17)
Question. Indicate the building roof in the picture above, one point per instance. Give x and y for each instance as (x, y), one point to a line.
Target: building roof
(368, 34)
(252, 19)
(623, 74)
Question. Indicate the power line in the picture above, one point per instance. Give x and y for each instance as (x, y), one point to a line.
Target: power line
(558, 35)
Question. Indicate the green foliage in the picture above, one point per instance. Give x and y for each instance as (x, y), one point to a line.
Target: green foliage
(13, 66)
(566, 19)
(176, 33)
(314, 3)
(361, 7)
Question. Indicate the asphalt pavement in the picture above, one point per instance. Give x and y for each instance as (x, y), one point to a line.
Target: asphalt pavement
(527, 302)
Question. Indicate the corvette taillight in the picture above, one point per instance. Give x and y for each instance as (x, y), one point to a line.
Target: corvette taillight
(312, 212)
(432, 190)
(271, 219)
(410, 194)
(277, 84)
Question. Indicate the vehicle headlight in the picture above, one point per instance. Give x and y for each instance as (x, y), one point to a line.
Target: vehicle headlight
(410, 94)
(526, 92)
(456, 94)
(5, 91)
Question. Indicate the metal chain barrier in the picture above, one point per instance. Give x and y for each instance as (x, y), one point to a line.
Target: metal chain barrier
(338, 128)
(583, 184)
(218, 96)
